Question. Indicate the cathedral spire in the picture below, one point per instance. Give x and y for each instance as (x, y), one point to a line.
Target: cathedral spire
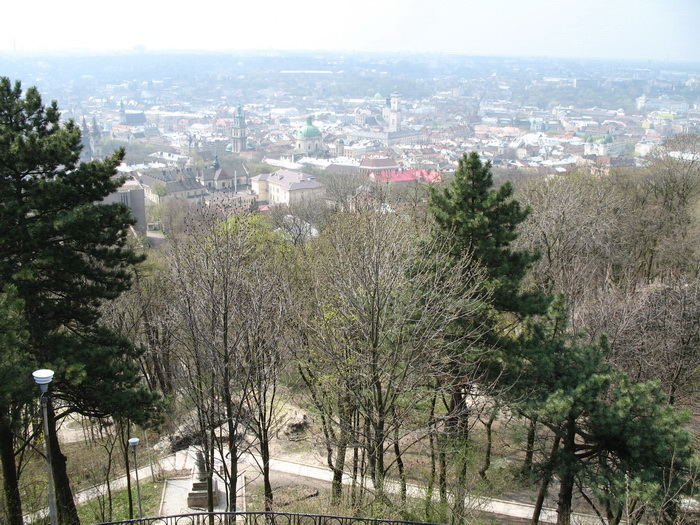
(96, 129)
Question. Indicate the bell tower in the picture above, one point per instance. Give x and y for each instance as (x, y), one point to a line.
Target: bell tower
(394, 113)
(239, 131)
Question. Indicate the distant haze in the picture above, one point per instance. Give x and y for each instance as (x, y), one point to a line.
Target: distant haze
(627, 29)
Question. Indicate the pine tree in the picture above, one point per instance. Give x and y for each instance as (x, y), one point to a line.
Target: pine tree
(607, 430)
(15, 395)
(65, 254)
(482, 221)
(476, 220)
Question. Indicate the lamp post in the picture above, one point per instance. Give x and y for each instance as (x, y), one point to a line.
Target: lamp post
(133, 442)
(42, 378)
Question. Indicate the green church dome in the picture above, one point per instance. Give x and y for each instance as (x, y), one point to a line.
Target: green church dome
(309, 131)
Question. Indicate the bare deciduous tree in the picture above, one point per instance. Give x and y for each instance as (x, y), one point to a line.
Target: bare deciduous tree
(210, 263)
(379, 304)
(654, 332)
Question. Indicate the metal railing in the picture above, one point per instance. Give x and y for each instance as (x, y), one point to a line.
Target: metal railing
(260, 518)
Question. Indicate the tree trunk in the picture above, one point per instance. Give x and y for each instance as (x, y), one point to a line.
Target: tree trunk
(345, 416)
(108, 446)
(363, 474)
(546, 478)
(399, 462)
(489, 445)
(460, 437)
(567, 473)
(615, 520)
(369, 444)
(231, 419)
(265, 456)
(211, 467)
(108, 481)
(355, 466)
(460, 492)
(566, 490)
(442, 474)
(125, 451)
(339, 465)
(9, 471)
(378, 453)
(233, 456)
(433, 459)
(355, 456)
(67, 513)
(539, 502)
(529, 448)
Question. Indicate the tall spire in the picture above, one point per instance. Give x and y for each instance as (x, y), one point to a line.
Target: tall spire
(86, 153)
(238, 142)
(95, 128)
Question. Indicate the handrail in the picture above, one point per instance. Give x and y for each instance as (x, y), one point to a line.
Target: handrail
(260, 518)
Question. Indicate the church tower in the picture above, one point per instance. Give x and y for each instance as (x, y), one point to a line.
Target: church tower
(394, 113)
(96, 139)
(340, 148)
(85, 140)
(239, 131)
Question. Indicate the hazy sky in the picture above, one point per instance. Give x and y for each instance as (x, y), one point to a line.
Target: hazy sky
(638, 29)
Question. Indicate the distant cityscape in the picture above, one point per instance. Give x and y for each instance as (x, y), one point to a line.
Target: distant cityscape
(195, 125)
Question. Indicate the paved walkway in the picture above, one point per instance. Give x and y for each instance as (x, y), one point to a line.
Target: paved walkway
(176, 490)
(174, 499)
(511, 509)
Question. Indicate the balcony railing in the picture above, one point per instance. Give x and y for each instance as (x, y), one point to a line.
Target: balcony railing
(260, 518)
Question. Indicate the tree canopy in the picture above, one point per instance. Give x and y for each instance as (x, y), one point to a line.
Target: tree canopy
(482, 221)
(65, 253)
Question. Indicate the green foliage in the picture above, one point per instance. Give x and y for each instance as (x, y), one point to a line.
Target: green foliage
(159, 189)
(66, 255)
(258, 168)
(136, 151)
(95, 510)
(16, 363)
(611, 429)
(483, 221)
(255, 232)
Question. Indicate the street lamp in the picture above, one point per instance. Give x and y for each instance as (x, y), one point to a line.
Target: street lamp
(42, 378)
(133, 442)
